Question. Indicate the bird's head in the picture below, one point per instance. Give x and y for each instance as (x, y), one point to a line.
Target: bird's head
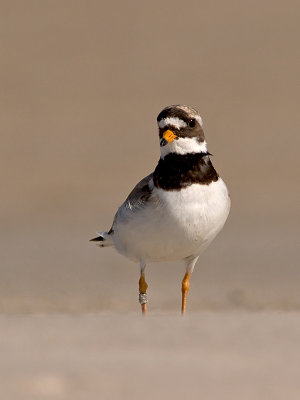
(180, 131)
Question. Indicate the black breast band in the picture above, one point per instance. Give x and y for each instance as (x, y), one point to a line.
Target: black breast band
(178, 171)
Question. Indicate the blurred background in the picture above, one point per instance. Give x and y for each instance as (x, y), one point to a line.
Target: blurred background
(81, 86)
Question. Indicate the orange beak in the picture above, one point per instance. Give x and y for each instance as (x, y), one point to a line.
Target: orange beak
(168, 137)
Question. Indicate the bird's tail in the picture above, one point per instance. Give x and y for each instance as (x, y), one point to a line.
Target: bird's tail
(104, 239)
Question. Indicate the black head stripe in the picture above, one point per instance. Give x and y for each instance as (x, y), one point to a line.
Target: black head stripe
(172, 112)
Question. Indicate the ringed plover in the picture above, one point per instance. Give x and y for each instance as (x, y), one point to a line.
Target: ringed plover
(175, 212)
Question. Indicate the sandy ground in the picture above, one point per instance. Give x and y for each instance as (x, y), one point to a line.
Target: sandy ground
(224, 355)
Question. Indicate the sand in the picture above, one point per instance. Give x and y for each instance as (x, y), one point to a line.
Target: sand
(211, 355)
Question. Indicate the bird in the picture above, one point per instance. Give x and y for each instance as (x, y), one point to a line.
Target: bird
(175, 212)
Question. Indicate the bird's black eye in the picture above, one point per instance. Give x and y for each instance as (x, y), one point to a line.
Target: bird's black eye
(192, 123)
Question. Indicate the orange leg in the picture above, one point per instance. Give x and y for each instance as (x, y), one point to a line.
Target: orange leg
(184, 290)
(143, 293)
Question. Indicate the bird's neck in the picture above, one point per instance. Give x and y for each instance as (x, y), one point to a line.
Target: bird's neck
(178, 171)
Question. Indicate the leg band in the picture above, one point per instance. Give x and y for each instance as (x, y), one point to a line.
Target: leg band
(143, 299)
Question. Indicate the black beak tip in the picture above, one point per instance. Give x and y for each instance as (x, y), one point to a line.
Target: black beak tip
(163, 142)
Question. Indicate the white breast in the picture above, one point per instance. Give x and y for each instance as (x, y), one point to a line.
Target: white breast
(175, 225)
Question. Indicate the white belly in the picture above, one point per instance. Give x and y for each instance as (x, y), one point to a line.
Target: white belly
(175, 225)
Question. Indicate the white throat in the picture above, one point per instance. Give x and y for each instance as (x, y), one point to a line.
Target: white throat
(183, 146)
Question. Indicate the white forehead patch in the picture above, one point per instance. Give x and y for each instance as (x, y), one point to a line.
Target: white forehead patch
(173, 121)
